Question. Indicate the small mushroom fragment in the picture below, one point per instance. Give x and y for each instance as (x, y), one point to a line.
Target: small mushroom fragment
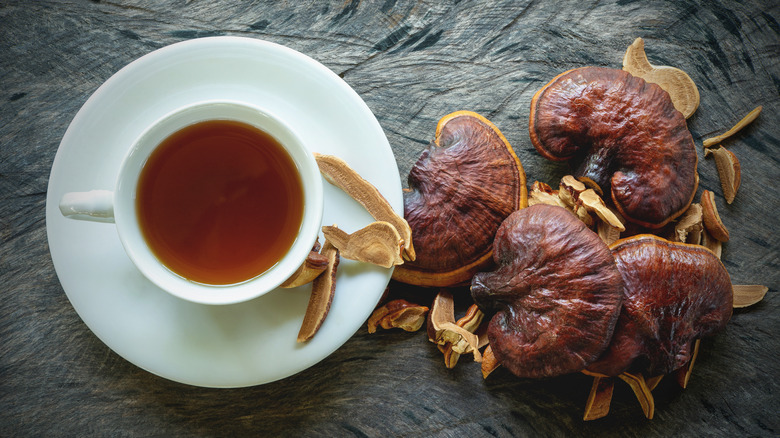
(470, 322)
(378, 243)
(398, 314)
(337, 172)
(322, 290)
(589, 183)
(489, 362)
(689, 228)
(681, 88)
(624, 134)
(312, 267)
(674, 293)
(684, 373)
(462, 187)
(441, 326)
(607, 232)
(570, 189)
(592, 202)
(711, 243)
(542, 193)
(748, 294)
(711, 217)
(555, 296)
(569, 192)
(709, 142)
(599, 399)
(729, 171)
(641, 391)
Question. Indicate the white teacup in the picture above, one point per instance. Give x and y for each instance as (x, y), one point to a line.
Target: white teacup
(119, 206)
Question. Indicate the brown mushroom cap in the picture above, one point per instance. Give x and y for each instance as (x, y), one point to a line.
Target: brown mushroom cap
(675, 293)
(623, 133)
(462, 187)
(556, 293)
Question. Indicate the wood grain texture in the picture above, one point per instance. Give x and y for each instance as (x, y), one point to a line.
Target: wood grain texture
(412, 62)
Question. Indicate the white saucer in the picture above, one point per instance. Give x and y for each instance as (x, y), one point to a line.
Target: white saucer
(214, 346)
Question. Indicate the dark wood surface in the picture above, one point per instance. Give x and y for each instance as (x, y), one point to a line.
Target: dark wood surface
(412, 62)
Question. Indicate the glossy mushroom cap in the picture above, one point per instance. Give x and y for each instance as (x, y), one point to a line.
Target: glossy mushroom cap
(675, 293)
(462, 187)
(555, 295)
(624, 134)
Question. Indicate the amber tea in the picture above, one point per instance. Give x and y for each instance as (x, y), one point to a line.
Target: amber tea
(220, 202)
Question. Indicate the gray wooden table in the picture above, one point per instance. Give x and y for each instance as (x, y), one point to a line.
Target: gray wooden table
(412, 62)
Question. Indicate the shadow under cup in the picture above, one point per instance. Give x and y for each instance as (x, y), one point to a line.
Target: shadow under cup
(218, 203)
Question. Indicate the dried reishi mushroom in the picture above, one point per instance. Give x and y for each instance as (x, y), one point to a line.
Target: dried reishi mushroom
(599, 399)
(322, 290)
(554, 297)
(311, 268)
(711, 217)
(398, 314)
(378, 243)
(674, 293)
(689, 228)
(592, 202)
(442, 327)
(541, 193)
(489, 362)
(570, 189)
(748, 294)
(684, 373)
(729, 171)
(641, 391)
(469, 322)
(462, 187)
(681, 88)
(589, 183)
(607, 232)
(711, 243)
(709, 142)
(569, 192)
(337, 172)
(625, 135)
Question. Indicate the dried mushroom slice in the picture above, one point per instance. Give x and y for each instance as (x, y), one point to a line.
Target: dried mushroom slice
(675, 293)
(680, 86)
(555, 296)
(622, 133)
(462, 187)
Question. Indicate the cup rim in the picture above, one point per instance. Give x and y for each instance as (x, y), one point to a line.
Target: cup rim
(125, 195)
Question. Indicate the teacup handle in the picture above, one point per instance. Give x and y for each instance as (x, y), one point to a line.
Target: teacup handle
(94, 205)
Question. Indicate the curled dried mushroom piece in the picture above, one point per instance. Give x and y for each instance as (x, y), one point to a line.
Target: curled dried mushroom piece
(489, 362)
(470, 322)
(711, 218)
(681, 88)
(748, 119)
(729, 170)
(599, 399)
(398, 314)
(460, 190)
(337, 172)
(378, 243)
(311, 268)
(642, 156)
(555, 296)
(690, 226)
(442, 328)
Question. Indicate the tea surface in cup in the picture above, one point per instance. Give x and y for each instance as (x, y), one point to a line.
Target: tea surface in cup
(220, 202)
